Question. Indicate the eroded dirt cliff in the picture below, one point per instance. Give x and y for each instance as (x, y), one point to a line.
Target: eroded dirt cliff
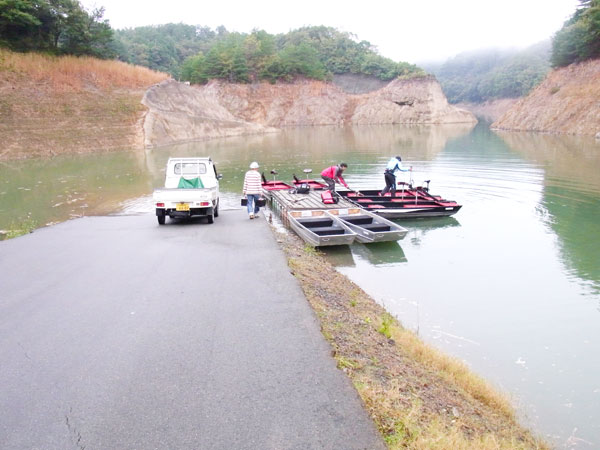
(52, 106)
(180, 113)
(567, 101)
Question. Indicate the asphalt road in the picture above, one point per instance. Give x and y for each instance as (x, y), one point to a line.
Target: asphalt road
(117, 333)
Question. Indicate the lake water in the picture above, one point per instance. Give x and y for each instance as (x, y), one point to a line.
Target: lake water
(511, 284)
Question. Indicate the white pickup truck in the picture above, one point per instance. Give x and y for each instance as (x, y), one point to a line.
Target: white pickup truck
(191, 190)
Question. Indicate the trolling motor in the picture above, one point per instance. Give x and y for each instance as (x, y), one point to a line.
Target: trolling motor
(274, 172)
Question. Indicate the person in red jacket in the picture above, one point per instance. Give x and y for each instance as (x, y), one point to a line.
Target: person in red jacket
(333, 175)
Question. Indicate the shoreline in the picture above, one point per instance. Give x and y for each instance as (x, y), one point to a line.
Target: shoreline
(417, 396)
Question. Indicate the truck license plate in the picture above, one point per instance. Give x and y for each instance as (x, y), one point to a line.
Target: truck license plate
(182, 207)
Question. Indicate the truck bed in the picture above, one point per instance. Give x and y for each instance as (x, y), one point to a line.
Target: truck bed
(183, 195)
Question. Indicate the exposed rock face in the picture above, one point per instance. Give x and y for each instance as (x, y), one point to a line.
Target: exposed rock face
(567, 101)
(358, 84)
(179, 113)
(419, 100)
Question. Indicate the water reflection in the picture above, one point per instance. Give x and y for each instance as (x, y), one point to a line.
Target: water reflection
(366, 149)
(570, 203)
(380, 253)
(341, 256)
(56, 189)
(418, 228)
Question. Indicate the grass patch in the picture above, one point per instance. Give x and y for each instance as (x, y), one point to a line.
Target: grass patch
(386, 325)
(309, 249)
(71, 73)
(418, 397)
(21, 228)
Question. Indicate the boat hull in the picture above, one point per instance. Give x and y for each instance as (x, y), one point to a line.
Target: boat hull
(413, 203)
(368, 226)
(318, 229)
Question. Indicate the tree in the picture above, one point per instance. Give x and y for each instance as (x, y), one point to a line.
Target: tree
(18, 23)
(193, 69)
(57, 26)
(301, 59)
(314, 52)
(579, 38)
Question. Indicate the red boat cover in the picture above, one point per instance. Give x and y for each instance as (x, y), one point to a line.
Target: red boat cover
(275, 186)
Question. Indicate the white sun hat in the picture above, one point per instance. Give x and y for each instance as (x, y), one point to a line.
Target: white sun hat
(254, 165)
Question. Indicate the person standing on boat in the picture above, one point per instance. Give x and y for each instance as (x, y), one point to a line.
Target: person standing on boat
(252, 189)
(333, 175)
(394, 165)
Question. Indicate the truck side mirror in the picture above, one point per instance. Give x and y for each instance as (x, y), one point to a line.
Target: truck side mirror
(219, 176)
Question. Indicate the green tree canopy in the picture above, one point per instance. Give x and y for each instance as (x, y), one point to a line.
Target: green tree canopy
(56, 26)
(579, 38)
(313, 52)
(163, 47)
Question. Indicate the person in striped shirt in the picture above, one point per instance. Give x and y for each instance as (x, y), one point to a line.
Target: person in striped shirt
(252, 189)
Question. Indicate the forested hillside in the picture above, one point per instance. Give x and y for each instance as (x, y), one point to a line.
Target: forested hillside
(476, 77)
(568, 100)
(198, 54)
(579, 38)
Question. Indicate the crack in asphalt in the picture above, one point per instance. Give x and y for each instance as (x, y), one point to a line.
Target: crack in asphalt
(24, 351)
(73, 431)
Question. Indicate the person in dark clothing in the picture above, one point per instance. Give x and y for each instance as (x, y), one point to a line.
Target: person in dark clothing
(394, 165)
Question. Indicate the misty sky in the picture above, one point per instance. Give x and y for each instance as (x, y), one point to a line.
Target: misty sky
(403, 30)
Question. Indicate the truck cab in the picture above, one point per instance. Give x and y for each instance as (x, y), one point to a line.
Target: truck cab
(191, 190)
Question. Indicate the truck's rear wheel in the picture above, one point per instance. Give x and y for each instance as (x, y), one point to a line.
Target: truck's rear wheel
(210, 218)
(161, 219)
(217, 209)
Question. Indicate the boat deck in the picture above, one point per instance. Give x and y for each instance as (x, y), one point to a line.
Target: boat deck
(283, 201)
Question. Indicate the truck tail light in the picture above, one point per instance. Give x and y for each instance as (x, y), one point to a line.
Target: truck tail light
(204, 203)
(160, 205)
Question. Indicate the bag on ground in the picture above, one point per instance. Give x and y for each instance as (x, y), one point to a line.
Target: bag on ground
(328, 198)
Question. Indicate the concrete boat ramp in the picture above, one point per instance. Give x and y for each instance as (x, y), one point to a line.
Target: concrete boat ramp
(118, 333)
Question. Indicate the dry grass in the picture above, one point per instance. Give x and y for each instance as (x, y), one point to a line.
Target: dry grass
(418, 397)
(55, 105)
(452, 370)
(70, 73)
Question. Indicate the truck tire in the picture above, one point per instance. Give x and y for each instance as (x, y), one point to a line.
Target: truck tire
(161, 220)
(210, 218)
(217, 209)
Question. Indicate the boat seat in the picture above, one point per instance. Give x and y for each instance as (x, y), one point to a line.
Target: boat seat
(326, 231)
(377, 227)
(361, 220)
(311, 223)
